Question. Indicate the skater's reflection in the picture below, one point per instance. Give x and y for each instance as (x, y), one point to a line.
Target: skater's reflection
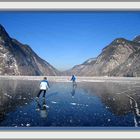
(42, 109)
(74, 86)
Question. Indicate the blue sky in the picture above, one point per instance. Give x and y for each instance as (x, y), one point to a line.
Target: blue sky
(65, 39)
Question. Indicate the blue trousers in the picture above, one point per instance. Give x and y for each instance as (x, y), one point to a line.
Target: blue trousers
(40, 93)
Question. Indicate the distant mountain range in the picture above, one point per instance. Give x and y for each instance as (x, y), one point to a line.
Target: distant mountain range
(119, 58)
(19, 59)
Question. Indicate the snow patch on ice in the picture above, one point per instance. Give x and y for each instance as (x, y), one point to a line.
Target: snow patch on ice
(108, 120)
(79, 104)
(7, 95)
(53, 102)
(28, 125)
(73, 103)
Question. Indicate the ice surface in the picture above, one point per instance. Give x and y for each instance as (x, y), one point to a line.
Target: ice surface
(97, 104)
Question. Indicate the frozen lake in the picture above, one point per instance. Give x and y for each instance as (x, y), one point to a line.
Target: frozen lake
(90, 104)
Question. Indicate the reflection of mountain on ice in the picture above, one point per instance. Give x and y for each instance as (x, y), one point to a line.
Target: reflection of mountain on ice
(120, 99)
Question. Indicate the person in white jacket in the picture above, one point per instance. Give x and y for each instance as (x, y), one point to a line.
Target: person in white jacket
(44, 86)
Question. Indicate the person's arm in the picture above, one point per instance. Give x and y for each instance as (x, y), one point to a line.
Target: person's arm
(48, 84)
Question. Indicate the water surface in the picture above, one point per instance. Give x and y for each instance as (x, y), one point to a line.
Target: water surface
(90, 104)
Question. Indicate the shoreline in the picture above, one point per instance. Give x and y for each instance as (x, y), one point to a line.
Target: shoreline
(79, 79)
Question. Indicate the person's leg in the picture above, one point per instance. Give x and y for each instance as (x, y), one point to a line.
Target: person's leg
(44, 93)
(39, 93)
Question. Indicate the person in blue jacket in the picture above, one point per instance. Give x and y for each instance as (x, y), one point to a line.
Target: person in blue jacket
(73, 79)
(44, 86)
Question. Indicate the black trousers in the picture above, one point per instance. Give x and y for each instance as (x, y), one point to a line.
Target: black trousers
(40, 93)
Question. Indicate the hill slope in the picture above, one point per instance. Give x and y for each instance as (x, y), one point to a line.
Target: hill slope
(120, 58)
(19, 59)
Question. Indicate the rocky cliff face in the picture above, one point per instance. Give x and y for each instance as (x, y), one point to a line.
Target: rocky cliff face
(19, 59)
(82, 69)
(120, 58)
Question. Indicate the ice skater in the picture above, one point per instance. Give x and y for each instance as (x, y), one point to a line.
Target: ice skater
(73, 79)
(44, 86)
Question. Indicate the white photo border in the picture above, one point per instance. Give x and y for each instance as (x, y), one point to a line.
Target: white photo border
(69, 134)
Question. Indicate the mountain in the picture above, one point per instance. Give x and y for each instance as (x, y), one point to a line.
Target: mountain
(82, 68)
(19, 59)
(119, 58)
(137, 39)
